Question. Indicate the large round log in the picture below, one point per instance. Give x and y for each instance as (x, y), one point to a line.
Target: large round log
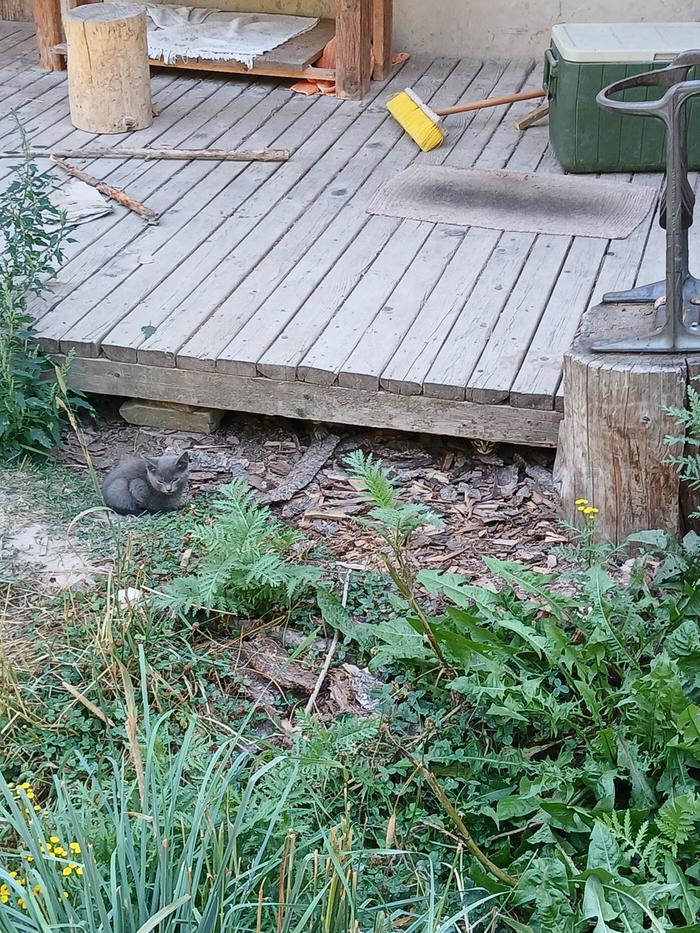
(108, 73)
(612, 449)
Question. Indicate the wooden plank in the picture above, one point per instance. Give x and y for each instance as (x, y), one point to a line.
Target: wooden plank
(347, 328)
(301, 51)
(308, 299)
(537, 380)
(425, 353)
(364, 365)
(303, 327)
(314, 136)
(335, 254)
(47, 18)
(321, 363)
(54, 126)
(18, 10)
(97, 302)
(174, 120)
(147, 294)
(508, 342)
(472, 323)
(382, 38)
(337, 405)
(212, 321)
(353, 48)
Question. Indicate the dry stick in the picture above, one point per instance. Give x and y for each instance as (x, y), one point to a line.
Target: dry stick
(457, 820)
(116, 194)
(331, 652)
(211, 155)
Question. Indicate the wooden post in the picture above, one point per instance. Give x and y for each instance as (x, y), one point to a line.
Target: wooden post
(353, 36)
(108, 73)
(47, 18)
(611, 441)
(382, 38)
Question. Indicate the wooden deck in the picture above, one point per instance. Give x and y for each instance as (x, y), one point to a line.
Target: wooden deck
(268, 288)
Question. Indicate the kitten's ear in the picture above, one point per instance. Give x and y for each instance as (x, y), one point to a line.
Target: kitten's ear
(184, 459)
(152, 462)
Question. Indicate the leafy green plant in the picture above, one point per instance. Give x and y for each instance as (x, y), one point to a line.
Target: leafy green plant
(244, 565)
(32, 238)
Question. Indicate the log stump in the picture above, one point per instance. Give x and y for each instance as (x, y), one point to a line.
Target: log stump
(611, 442)
(109, 85)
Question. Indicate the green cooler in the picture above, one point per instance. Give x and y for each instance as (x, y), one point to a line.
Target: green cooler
(582, 59)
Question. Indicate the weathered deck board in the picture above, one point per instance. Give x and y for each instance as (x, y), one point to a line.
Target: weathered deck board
(269, 288)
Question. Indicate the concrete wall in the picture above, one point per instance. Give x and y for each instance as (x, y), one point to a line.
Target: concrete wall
(498, 28)
(478, 28)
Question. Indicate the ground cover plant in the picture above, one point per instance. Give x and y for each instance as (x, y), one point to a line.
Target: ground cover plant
(530, 763)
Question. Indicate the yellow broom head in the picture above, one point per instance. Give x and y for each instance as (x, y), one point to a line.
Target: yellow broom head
(417, 119)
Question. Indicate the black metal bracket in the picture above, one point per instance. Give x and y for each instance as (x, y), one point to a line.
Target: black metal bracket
(677, 297)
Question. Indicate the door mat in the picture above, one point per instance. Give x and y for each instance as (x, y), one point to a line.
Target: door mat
(525, 202)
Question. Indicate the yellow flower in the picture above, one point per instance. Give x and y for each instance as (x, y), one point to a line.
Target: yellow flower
(11, 784)
(67, 871)
(54, 839)
(25, 786)
(36, 808)
(75, 847)
(79, 871)
(21, 903)
(581, 502)
(65, 894)
(30, 795)
(59, 852)
(36, 889)
(13, 874)
(29, 858)
(4, 898)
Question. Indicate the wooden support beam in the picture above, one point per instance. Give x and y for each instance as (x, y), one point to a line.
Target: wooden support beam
(315, 403)
(47, 18)
(382, 37)
(353, 33)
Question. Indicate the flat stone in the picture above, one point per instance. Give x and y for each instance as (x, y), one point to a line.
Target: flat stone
(171, 416)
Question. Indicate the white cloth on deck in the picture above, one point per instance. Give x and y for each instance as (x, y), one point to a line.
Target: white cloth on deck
(214, 35)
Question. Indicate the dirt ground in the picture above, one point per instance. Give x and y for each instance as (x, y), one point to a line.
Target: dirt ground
(495, 501)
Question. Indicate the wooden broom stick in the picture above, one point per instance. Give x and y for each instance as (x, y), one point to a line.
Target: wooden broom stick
(116, 194)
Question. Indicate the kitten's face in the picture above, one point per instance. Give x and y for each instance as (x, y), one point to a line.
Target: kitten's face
(167, 474)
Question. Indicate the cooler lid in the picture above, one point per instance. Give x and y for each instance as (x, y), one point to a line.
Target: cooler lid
(624, 42)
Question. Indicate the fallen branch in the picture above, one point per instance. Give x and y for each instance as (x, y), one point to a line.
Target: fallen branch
(211, 155)
(304, 471)
(116, 194)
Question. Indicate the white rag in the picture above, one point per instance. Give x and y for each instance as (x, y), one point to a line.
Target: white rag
(80, 201)
(213, 35)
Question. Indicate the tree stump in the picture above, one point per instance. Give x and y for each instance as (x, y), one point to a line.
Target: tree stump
(108, 72)
(611, 441)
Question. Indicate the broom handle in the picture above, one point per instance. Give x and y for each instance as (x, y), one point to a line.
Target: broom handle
(491, 102)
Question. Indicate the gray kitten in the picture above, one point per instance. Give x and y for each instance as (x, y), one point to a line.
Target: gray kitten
(147, 484)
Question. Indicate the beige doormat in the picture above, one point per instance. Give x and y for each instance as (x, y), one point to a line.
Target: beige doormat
(525, 202)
